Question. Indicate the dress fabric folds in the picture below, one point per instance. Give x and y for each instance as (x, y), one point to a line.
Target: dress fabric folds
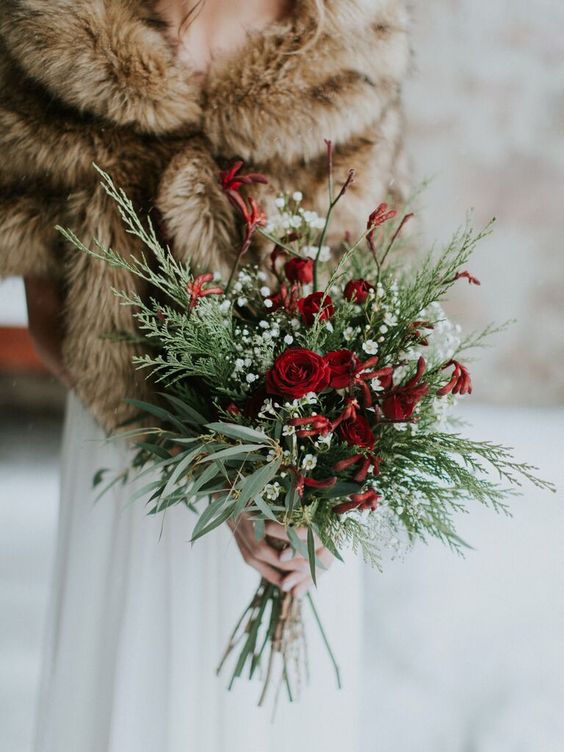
(139, 619)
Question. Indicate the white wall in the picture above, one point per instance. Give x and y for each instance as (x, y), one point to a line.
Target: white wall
(12, 303)
(486, 119)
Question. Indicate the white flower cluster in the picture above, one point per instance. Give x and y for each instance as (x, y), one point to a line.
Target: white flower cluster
(255, 348)
(444, 339)
(292, 216)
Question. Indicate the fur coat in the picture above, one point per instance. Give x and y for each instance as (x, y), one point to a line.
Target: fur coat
(85, 81)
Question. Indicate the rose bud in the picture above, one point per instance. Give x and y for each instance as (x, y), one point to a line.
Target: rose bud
(297, 372)
(299, 270)
(314, 304)
(357, 290)
(343, 365)
(357, 432)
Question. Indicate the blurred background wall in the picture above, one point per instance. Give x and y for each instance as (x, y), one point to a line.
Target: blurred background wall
(486, 121)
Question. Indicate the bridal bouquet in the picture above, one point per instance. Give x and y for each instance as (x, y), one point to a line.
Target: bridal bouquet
(314, 392)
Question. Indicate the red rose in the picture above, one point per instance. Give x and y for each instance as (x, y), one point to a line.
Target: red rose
(297, 372)
(299, 270)
(310, 306)
(357, 290)
(357, 432)
(342, 364)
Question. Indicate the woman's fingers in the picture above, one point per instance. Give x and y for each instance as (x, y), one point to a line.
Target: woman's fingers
(300, 590)
(286, 569)
(264, 552)
(300, 581)
(294, 580)
(275, 530)
(269, 573)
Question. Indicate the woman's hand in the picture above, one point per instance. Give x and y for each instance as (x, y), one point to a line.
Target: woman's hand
(283, 568)
(44, 308)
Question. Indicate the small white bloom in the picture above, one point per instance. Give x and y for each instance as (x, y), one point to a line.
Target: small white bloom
(265, 291)
(324, 441)
(264, 324)
(242, 301)
(237, 287)
(348, 334)
(383, 329)
(295, 323)
(272, 491)
(329, 326)
(288, 430)
(309, 462)
(376, 385)
(268, 303)
(239, 364)
(370, 347)
(297, 196)
(295, 221)
(280, 202)
(310, 216)
(288, 339)
(225, 306)
(251, 378)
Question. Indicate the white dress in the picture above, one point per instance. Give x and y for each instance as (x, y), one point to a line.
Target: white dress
(139, 619)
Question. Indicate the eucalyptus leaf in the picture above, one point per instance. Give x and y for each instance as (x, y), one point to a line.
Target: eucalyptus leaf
(219, 520)
(214, 508)
(99, 476)
(311, 554)
(254, 484)
(187, 410)
(241, 451)
(298, 545)
(158, 412)
(265, 509)
(181, 468)
(235, 431)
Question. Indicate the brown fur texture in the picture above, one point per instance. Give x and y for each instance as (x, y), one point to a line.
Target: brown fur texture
(85, 81)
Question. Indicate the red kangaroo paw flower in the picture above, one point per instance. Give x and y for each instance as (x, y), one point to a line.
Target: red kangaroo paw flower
(349, 413)
(421, 367)
(470, 277)
(314, 425)
(196, 289)
(327, 483)
(348, 462)
(460, 381)
(367, 500)
(366, 393)
(362, 472)
(232, 180)
(346, 506)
